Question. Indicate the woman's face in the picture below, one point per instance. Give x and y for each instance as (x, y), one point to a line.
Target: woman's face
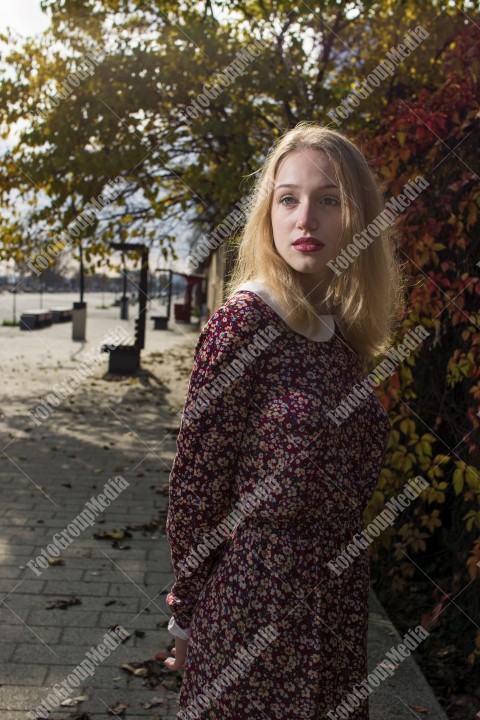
(306, 214)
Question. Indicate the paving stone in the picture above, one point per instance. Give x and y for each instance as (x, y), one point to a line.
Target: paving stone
(21, 697)
(22, 603)
(13, 521)
(144, 620)
(13, 572)
(129, 588)
(22, 634)
(91, 636)
(60, 573)
(111, 573)
(88, 587)
(160, 579)
(13, 550)
(116, 554)
(19, 506)
(79, 618)
(15, 714)
(71, 655)
(6, 650)
(27, 585)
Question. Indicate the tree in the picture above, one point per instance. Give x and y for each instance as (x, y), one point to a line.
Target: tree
(132, 114)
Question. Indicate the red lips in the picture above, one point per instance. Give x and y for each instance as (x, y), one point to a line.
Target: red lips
(308, 240)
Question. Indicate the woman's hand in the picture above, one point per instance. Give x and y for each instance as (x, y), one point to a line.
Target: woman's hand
(180, 653)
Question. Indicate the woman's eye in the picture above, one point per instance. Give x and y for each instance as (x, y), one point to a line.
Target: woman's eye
(287, 198)
(330, 201)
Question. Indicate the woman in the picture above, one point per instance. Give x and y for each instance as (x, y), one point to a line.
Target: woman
(272, 474)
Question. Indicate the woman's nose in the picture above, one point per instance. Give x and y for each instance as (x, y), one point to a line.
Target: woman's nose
(307, 217)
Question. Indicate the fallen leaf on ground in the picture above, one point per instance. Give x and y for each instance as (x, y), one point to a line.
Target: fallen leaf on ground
(62, 603)
(155, 674)
(154, 702)
(138, 671)
(70, 702)
(148, 527)
(162, 489)
(419, 708)
(56, 561)
(112, 535)
(118, 709)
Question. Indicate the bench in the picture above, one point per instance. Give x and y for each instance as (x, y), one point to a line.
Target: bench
(125, 359)
(35, 319)
(61, 314)
(160, 322)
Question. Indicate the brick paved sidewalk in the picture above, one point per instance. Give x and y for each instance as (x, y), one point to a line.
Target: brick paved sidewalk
(47, 473)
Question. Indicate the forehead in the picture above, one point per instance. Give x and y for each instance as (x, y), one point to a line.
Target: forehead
(306, 166)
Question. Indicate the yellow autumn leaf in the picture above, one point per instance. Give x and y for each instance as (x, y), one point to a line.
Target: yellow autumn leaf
(441, 459)
(55, 561)
(407, 426)
(472, 478)
(458, 481)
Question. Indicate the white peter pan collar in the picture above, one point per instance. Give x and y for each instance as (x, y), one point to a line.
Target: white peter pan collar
(327, 324)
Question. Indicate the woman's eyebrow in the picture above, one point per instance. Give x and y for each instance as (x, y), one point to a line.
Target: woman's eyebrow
(292, 185)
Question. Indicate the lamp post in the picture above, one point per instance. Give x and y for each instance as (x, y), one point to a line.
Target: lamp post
(124, 298)
(14, 293)
(79, 315)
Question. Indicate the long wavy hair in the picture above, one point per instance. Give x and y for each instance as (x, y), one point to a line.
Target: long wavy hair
(368, 297)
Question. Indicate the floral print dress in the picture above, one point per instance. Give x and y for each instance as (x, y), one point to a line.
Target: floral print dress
(266, 490)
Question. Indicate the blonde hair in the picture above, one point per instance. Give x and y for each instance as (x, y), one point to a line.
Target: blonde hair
(368, 296)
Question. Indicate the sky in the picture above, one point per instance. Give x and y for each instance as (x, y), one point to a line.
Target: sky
(22, 16)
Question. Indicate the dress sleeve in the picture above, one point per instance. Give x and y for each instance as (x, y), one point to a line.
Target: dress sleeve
(202, 489)
(176, 630)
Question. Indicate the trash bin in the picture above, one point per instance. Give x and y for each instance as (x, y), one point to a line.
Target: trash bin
(181, 312)
(79, 320)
